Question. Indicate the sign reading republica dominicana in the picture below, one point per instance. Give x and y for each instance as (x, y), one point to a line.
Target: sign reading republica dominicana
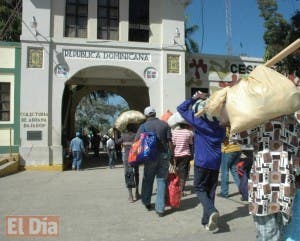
(106, 55)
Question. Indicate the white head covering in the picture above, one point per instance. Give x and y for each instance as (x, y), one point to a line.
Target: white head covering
(149, 111)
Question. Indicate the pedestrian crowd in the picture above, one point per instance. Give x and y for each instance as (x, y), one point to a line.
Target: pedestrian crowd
(263, 162)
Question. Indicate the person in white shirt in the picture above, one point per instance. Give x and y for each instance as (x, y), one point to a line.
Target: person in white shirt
(111, 151)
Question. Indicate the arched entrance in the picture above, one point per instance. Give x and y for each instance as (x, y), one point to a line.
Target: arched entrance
(120, 81)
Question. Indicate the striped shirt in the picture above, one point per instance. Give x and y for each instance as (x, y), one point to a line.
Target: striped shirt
(182, 139)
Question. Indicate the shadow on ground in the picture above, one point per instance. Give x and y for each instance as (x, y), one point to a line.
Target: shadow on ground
(240, 212)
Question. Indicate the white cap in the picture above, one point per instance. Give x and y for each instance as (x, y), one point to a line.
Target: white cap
(149, 111)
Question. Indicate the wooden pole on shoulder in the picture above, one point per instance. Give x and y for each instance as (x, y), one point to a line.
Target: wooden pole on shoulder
(283, 53)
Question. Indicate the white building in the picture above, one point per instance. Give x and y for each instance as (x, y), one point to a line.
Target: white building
(70, 47)
(133, 48)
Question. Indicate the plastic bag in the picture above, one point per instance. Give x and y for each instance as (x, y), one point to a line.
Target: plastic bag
(166, 116)
(144, 149)
(175, 119)
(173, 190)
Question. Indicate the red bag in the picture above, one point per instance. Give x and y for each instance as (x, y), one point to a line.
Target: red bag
(166, 116)
(173, 190)
(135, 150)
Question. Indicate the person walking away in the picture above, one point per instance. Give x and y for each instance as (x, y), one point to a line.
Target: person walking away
(77, 149)
(157, 168)
(126, 141)
(111, 151)
(95, 141)
(231, 153)
(182, 139)
(208, 137)
(243, 169)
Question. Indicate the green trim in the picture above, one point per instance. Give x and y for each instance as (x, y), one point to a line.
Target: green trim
(6, 149)
(7, 71)
(16, 71)
(17, 95)
(10, 44)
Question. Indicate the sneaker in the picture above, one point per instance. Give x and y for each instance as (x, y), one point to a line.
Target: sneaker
(148, 207)
(212, 222)
(160, 214)
(221, 195)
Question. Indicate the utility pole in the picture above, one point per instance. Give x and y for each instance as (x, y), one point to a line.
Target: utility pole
(228, 27)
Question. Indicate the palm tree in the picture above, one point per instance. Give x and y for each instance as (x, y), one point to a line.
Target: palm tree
(191, 45)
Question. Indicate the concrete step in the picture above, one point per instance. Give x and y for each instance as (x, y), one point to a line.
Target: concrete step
(8, 166)
(3, 161)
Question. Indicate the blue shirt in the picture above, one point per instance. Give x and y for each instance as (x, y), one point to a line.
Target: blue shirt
(208, 137)
(76, 144)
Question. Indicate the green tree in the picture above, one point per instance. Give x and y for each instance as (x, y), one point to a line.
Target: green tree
(190, 43)
(10, 20)
(189, 29)
(279, 33)
(99, 110)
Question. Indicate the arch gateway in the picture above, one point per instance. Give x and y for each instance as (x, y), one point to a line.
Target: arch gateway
(125, 47)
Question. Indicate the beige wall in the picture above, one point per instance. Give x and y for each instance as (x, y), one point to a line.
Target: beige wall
(7, 59)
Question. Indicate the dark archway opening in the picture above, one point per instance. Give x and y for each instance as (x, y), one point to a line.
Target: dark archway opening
(103, 95)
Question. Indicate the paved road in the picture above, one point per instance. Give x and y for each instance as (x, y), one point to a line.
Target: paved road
(92, 206)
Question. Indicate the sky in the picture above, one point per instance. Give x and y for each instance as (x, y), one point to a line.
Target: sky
(247, 26)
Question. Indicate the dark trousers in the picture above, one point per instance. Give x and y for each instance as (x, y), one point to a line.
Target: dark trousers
(182, 164)
(205, 183)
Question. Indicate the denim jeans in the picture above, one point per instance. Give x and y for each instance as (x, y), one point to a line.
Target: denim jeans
(158, 169)
(205, 183)
(77, 158)
(229, 161)
(270, 227)
(112, 157)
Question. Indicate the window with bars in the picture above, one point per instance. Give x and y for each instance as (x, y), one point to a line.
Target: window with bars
(76, 18)
(139, 20)
(4, 101)
(108, 19)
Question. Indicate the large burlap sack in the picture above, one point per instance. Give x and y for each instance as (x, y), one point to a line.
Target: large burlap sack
(130, 116)
(265, 94)
(215, 102)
